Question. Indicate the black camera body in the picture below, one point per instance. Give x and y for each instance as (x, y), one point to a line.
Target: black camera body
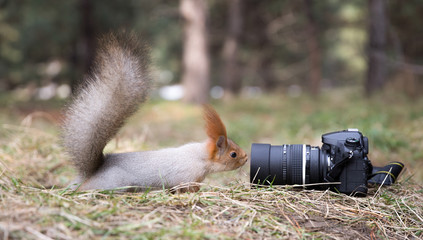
(347, 151)
(341, 164)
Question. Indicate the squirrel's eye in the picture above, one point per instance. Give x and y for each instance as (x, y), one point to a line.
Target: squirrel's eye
(233, 154)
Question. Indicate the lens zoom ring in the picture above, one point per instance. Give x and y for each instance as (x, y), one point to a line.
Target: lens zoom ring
(296, 162)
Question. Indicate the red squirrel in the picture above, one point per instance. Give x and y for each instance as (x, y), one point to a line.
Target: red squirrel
(119, 82)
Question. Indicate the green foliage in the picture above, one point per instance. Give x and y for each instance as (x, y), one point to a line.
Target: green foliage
(272, 46)
(35, 33)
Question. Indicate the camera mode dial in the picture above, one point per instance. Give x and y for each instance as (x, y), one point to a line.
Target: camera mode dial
(352, 142)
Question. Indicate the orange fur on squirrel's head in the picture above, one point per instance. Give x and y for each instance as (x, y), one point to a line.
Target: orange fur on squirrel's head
(225, 153)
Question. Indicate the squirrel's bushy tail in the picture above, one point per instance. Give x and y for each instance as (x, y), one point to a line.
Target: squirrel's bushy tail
(112, 92)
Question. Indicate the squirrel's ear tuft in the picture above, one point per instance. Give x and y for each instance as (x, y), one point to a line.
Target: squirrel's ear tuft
(214, 125)
(218, 141)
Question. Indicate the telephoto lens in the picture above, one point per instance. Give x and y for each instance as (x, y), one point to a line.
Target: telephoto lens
(297, 164)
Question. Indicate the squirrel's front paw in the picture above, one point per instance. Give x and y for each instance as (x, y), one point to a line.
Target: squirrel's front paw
(186, 187)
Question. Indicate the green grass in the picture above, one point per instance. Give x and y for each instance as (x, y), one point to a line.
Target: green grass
(34, 171)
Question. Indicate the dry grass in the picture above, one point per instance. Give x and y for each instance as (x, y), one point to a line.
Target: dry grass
(32, 164)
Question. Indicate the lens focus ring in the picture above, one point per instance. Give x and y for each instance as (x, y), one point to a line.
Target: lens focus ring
(295, 164)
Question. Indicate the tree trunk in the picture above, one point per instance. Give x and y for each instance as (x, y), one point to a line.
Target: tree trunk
(376, 71)
(231, 75)
(315, 73)
(258, 38)
(83, 55)
(195, 77)
(87, 39)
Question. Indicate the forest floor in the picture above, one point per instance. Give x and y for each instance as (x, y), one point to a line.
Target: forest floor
(34, 173)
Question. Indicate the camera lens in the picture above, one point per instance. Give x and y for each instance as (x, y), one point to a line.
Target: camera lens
(287, 164)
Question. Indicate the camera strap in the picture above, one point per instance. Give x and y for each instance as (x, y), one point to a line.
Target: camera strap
(337, 168)
(386, 175)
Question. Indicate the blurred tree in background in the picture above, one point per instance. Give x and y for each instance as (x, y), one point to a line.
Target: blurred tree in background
(196, 56)
(376, 70)
(278, 45)
(230, 51)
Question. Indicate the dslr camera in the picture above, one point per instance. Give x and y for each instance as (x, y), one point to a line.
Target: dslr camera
(341, 164)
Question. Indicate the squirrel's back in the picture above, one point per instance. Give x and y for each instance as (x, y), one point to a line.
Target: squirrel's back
(117, 84)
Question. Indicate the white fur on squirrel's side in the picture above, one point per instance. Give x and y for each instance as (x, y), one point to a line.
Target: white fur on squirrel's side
(153, 169)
